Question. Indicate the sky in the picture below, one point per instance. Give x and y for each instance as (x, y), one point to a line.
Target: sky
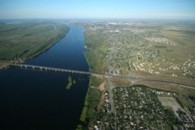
(125, 9)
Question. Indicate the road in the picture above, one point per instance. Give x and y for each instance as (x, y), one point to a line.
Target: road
(132, 77)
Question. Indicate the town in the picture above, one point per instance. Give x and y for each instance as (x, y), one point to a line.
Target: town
(140, 107)
(140, 49)
(145, 47)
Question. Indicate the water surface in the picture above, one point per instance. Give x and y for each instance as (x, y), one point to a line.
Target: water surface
(38, 99)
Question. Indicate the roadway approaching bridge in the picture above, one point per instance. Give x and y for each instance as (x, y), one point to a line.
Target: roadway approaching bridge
(137, 78)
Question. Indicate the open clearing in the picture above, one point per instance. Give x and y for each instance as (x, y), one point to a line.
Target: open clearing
(169, 102)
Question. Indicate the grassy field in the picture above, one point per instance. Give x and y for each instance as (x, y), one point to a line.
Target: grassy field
(22, 41)
(184, 36)
(91, 102)
(95, 60)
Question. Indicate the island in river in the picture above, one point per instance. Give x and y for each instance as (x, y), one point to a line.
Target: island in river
(32, 99)
(135, 49)
(70, 83)
(22, 41)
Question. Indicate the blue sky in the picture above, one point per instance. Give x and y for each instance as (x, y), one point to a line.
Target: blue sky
(153, 9)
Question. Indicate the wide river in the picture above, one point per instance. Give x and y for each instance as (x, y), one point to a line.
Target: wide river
(37, 100)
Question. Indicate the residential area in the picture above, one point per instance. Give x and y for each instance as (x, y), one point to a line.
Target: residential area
(142, 49)
(125, 47)
(140, 107)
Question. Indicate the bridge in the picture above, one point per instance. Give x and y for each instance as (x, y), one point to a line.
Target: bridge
(45, 68)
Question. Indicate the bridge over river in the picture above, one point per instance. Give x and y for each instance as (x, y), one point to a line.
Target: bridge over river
(139, 78)
(37, 67)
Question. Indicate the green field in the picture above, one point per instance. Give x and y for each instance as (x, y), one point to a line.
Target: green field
(95, 60)
(22, 41)
(90, 106)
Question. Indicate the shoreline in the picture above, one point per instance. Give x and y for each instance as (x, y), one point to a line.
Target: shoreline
(5, 64)
(86, 119)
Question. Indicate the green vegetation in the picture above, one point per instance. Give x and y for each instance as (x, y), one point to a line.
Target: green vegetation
(84, 113)
(90, 106)
(95, 59)
(159, 51)
(70, 82)
(135, 107)
(155, 48)
(92, 99)
(184, 97)
(22, 41)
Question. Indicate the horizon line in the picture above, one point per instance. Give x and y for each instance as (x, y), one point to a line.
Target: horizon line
(20, 18)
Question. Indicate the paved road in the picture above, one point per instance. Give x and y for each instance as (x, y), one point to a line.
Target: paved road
(132, 77)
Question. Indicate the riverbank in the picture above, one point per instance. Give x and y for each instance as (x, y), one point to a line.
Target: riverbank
(93, 95)
(92, 100)
(111, 53)
(39, 99)
(4, 64)
(21, 42)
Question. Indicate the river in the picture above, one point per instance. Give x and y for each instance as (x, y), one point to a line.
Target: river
(37, 100)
